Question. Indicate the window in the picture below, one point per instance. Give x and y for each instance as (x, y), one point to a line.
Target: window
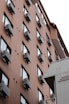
(38, 8)
(25, 49)
(7, 25)
(37, 18)
(38, 51)
(26, 53)
(38, 21)
(39, 37)
(6, 20)
(5, 51)
(4, 82)
(49, 55)
(28, 2)
(4, 78)
(40, 56)
(48, 52)
(24, 27)
(45, 22)
(23, 100)
(25, 78)
(52, 95)
(10, 6)
(39, 72)
(37, 33)
(4, 46)
(26, 32)
(48, 40)
(51, 92)
(26, 14)
(24, 73)
(40, 95)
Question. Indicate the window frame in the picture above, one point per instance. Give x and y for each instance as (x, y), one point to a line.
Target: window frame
(24, 26)
(38, 33)
(4, 20)
(22, 72)
(48, 52)
(42, 96)
(3, 75)
(39, 69)
(7, 46)
(38, 49)
(26, 102)
(23, 45)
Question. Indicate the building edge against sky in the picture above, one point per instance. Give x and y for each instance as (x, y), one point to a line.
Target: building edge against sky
(26, 52)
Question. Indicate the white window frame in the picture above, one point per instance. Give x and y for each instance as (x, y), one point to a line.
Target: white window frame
(5, 20)
(37, 33)
(38, 51)
(40, 96)
(25, 29)
(4, 79)
(23, 100)
(4, 46)
(25, 10)
(24, 49)
(48, 53)
(39, 73)
(37, 18)
(24, 74)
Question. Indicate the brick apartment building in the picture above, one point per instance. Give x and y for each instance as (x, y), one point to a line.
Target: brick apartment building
(29, 43)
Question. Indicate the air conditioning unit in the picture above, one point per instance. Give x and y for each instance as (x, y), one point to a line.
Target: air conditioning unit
(9, 30)
(27, 36)
(27, 57)
(50, 58)
(4, 90)
(6, 57)
(27, 16)
(42, 102)
(40, 39)
(40, 57)
(11, 7)
(26, 83)
(28, 2)
(39, 23)
(41, 79)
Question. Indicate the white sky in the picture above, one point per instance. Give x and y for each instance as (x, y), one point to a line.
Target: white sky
(57, 11)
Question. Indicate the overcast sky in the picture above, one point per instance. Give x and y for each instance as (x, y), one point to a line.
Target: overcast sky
(58, 12)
